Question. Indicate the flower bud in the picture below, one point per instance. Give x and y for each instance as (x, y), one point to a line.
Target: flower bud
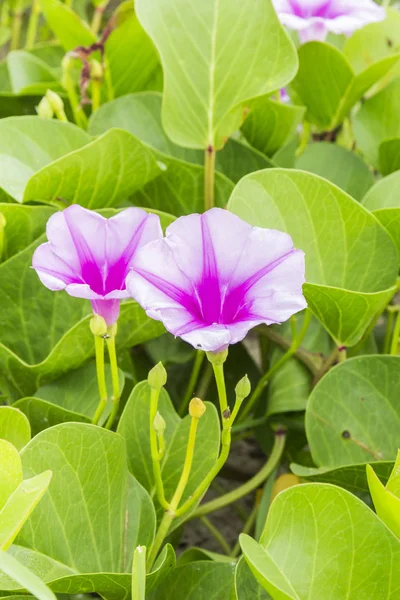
(157, 377)
(44, 109)
(98, 326)
(217, 358)
(55, 101)
(197, 408)
(96, 70)
(243, 389)
(159, 424)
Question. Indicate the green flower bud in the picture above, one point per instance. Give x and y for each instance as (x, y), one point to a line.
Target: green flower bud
(157, 377)
(98, 326)
(197, 408)
(55, 101)
(243, 389)
(96, 70)
(217, 358)
(44, 109)
(159, 424)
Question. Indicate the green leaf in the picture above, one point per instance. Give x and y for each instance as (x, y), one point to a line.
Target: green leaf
(90, 473)
(246, 585)
(387, 505)
(393, 485)
(14, 427)
(340, 166)
(351, 477)
(271, 124)
(163, 566)
(132, 58)
(27, 580)
(353, 414)
(134, 427)
(319, 65)
(99, 175)
(389, 156)
(28, 144)
(202, 580)
(56, 336)
(73, 397)
(371, 129)
(24, 224)
(10, 471)
(70, 30)
(346, 286)
(384, 194)
(28, 73)
(20, 505)
(222, 65)
(337, 529)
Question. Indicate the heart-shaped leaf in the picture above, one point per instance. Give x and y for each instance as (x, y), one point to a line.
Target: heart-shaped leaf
(14, 427)
(346, 286)
(336, 529)
(319, 65)
(353, 414)
(224, 63)
(24, 224)
(10, 470)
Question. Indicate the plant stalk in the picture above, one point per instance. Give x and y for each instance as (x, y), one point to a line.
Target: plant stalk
(114, 378)
(101, 378)
(209, 177)
(198, 361)
(16, 26)
(32, 25)
(155, 453)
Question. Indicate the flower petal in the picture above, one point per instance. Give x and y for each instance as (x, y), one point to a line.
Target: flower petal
(53, 272)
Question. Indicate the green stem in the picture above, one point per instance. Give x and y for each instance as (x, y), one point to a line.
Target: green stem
(17, 15)
(220, 381)
(115, 380)
(198, 361)
(69, 85)
(209, 177)
(326, 365)
(249, 486)
(342, 354)
(155, 453)
(5, 14)
(249, 525)
(396, 335)
(312, 361)
(205, 381)
(139, 574)
(217, 535)
(96, 94)
(101, 378)
(108, 80)
(32, 25)
(172, 511)
(388, 332)
(296, 342)
(97, 18)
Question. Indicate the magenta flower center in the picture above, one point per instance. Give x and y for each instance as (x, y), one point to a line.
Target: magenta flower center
(322, 9)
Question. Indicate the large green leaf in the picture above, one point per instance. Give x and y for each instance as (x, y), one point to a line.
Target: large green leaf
(26, 579)
(271, 124)
(353, 414)
(344, 168)
(24, 224)
(99, 175)
(73, 397)
(389, 156)
(327, 104)
(134, 427)
(346, 553)
(132, 58)
(371, 129)
(246, 585)
(28, 144)
(204, 580)
(346, 284)
(14, 427)
(54, 335)
(28, 73)
(386, 503)
(90, 474)
(10, 470)
(230, 52)
(70, 30)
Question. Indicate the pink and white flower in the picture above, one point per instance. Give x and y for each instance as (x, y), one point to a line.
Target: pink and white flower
(214, 277)
(89, 256)
(314, 19)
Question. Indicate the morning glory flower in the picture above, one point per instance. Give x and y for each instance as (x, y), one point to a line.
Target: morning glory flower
(313, 19)
(89, 256)
(214, 277)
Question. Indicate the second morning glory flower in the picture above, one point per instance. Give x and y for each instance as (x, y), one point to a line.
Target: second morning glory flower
(89, 256)
(314, 19)
(214, 277)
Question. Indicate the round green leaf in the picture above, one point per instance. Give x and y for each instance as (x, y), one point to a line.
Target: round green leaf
(346, 285)
(14, 427)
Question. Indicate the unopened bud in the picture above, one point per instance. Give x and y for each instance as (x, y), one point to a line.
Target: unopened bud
(197, 408)
(55, 101)
(96, 70)
(243, 389)
(98, 326)
(159, 424)
(157, 377)
(217, 358)
(44, 109)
